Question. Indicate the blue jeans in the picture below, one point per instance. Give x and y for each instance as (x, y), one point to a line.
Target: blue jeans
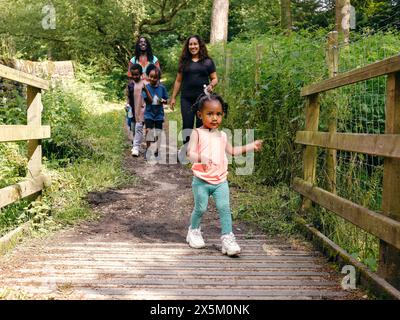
(202, 190)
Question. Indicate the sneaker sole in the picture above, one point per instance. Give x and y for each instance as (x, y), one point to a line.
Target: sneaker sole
(235, 253)
(193, 246)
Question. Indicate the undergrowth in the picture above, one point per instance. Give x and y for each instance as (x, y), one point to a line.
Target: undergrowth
(83, 155)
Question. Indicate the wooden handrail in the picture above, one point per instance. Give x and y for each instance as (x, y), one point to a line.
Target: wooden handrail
(384, 225)
(23, 77)
(11, 133)
(33, 132)
(385, 145)
(21, 190)
(377, 224)
(374, 70)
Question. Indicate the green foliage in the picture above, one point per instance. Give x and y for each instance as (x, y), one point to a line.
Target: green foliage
(65, 114)
(249, 17)
(356, 242)
(13, 163)
(13, 216)
(85, 30)
(270, 208)
(275, 109)
(12, 103)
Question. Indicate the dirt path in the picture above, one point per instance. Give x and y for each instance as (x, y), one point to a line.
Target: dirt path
(137, 250)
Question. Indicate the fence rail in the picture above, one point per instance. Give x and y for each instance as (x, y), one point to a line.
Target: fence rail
(33, 132)
(386, 224)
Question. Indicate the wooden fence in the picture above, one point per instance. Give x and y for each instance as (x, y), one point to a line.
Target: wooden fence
(384, 225)
(33, 132)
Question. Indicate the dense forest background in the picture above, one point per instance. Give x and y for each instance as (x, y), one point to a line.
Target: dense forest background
(103, 31)
(270, 62)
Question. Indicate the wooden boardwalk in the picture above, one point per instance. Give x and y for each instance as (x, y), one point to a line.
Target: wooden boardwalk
(137, 250)
(267, 269)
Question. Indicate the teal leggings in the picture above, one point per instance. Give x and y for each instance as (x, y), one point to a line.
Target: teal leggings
(220, 192)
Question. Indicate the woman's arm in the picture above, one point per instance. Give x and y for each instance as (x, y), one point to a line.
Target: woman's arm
(254, 146)
(177, 86)
(213, 82)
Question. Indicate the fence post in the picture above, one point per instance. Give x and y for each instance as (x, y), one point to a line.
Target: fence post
(34, 115)
(333, 67)
(310, 153)
(389, 256)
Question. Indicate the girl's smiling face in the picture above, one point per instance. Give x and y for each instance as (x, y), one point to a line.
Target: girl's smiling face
(153, 77)
(194, 46)
(211, 114)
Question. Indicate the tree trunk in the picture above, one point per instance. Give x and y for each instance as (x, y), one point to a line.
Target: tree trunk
(343, 19)
(286, 15)
(219, 21)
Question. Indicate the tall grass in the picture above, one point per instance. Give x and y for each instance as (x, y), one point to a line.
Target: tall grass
(274, 108)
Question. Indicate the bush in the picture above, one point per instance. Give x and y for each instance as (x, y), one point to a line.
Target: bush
(66, 115)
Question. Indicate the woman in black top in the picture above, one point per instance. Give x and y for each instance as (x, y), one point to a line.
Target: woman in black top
(196, 69)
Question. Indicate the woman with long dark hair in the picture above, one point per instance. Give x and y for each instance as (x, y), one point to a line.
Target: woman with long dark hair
(196, 72)
(143, 55)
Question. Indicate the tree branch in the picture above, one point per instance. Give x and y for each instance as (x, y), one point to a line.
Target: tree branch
(163, 18)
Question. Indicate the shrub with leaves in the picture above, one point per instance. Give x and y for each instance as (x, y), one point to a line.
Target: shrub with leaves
(66, 115)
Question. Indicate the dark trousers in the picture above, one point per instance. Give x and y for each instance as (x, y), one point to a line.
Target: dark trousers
(188, 116)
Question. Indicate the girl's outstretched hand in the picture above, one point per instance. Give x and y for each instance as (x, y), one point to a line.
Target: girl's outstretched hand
(258, 145)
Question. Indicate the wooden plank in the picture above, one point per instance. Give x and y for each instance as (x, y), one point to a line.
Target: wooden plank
(310, 153)
(169, 273)
(182, 258)
(9, 240)
(158, 283)
(34, 115)
(386, 145)
(23, 77)
(374, 70)
(20, 133)
(389, 262)
(188, 266)
(372, 222)
(21, 190)
(120, 292)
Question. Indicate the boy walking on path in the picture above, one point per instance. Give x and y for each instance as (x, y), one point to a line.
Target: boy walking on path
(135, 107)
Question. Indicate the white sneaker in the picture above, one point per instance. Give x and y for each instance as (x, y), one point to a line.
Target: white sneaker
(135, 152)
(229, 245)
(195, 239)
